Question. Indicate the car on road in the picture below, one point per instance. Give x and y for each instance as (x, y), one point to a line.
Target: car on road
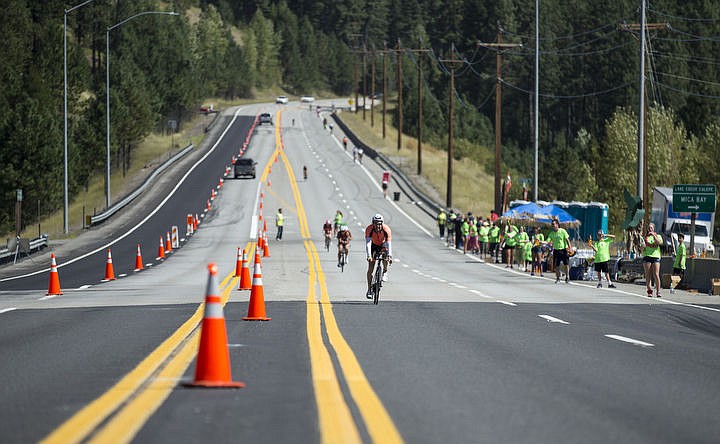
(307, 99)
(282, 99)
(245, 167)
(265, 118)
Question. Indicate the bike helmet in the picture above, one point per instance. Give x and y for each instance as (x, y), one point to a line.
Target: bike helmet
(343, 227)
(378, 218)
(328, 221)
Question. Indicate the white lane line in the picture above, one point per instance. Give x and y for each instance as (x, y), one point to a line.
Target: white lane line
(5, 310)
(552, 319)
(630, 340)
(480, 293)
(405, 265)
(45, 298)
(84, 287)
(506, 303)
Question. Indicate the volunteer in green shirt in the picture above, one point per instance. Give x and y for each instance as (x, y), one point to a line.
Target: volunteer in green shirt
(538, 241)
(279, 222)
(680, 256)
(484, 237)
(602, 256)
(522, 239)
(560, 240)
(441, 219)
(494, 240)
(651, 259)
(511, 233)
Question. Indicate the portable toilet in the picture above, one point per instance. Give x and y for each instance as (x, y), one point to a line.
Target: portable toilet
(579, 210)
(598, 216)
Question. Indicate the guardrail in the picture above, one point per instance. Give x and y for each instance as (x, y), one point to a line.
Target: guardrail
(426, 204)
(36, 244)
(105, 215)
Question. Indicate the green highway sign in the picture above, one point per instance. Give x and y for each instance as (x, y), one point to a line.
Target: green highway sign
(691, 198)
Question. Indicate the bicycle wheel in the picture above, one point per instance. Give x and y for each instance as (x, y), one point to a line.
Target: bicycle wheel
(378, 282)
(327, 244)
(343, 261)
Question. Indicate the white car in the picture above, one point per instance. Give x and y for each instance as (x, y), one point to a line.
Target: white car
(282, 99)
(307, 99)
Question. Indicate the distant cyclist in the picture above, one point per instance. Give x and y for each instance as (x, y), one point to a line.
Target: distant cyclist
(338, 221)
(327, 232)
(377, 238)
(344, 236)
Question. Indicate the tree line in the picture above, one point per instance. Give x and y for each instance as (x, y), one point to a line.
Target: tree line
(162, 67)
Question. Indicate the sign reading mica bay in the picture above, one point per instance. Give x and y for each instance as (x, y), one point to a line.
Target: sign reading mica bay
(690, 198)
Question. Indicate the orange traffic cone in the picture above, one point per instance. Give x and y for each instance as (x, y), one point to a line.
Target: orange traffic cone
(245, 282)
(269, 184)
(196, 221)
(213, 361)
(256, 307)
(161, 250)
(109, 271)
(138, 260)
(238, 263)
(54, 286)
(265, 225)
(259, 240)
(168, 242)
(266, 249)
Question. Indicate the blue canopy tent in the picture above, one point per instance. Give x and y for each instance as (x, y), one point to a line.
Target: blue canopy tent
(550, 212)
(526, 212)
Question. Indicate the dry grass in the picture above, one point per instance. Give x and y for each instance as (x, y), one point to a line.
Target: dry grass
(473, 189)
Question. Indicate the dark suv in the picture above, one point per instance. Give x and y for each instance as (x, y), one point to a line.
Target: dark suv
(245, 167)
(265, 118)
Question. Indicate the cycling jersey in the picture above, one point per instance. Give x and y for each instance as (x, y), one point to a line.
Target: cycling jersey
(327, 228)
(378, 239)
(344, 237)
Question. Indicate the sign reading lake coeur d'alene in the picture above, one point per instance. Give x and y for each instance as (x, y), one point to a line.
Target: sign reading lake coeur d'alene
(691, 198)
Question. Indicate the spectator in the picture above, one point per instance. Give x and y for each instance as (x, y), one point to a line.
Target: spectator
(483, 238)
(441, 220)
(522, 239)
(560, 240)
(510, 239)
(494, 241)
(472, 238)
(679, 263)
(602, 256)
(651, 259)
(538, 241)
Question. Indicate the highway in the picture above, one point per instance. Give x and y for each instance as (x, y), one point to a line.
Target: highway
(457, 350)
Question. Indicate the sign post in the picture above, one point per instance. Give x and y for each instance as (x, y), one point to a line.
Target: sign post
(692, 198)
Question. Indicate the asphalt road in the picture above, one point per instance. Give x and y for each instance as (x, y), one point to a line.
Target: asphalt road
(457, 350)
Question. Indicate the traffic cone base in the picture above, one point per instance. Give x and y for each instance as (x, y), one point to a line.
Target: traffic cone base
(54, 285)
(213, 360)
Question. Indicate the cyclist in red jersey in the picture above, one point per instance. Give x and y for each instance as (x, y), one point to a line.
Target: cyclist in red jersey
(377, 237)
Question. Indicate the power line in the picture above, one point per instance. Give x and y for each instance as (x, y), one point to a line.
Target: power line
(706, 60)
(566, 37)
(570, 97)
(687, 93)
(686, 19)
(706, 82)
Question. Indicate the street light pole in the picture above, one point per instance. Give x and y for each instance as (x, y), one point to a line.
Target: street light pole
(107, 93)
(65, 133)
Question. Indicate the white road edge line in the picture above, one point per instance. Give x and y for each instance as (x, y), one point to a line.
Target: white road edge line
(5, 310)
(506, 303)
(630, 340)
(553, 319)
(151, 214)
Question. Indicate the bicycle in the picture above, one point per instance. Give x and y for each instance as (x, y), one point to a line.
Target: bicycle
(376, 283)
(343, 257)
(328, 239)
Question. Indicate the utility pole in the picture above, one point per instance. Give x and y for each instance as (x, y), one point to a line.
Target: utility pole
(498, 111)
(419, 107)
(399, 87)
(642, 154)
(384, 53)
(355, 73)
(451, 61)
(372, 89)
(364, 77)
